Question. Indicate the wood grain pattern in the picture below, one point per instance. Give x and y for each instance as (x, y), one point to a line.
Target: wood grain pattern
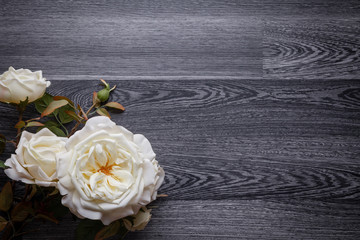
(165, 38)
(115, 41)
(245, 144)
(252, 106)
(238, 219)
(312, 48)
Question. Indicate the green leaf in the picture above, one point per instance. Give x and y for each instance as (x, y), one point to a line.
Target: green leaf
(53, 106)
(115, 105)
(21, 211)
(103, 112)
(6, 197)
(2, 143)
(87, 229)
(20, 124)
(63, 116)
(42, 103)
(73, 115)
(2, 164)
(34, 124)
(51, 124)
(57, 131)
(108, 231)
(22, 105)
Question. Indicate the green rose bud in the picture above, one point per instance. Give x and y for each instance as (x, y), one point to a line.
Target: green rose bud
(103, 94)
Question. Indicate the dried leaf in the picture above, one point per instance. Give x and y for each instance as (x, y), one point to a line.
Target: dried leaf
(21, 211)
(103, 112)
(83, 113)
(33, 192)
(53, 106)
(47, 217)
(162, 195)
(115, 105)
(56, 98)
(20, 124)
(96, 100)
(108, 231)
(3, 223)
(6, 197)
(35, 124)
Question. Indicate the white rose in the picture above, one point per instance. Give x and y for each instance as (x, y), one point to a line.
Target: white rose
(141, 219)
(16, 85)
(108, 173)
(36, 158)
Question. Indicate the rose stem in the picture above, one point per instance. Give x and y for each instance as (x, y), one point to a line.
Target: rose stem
(21, 111)
(92, 106)
(57, 119)
(73, 130)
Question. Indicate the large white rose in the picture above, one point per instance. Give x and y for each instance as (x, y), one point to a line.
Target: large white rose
(108, 173)
(36, 158)
(16, 85)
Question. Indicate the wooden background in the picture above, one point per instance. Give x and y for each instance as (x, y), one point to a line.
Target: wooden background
(251, 106)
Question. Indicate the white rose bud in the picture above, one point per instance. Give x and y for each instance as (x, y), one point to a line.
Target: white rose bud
(141, 219)
(17, 85)
(35, 160)
(107, 172)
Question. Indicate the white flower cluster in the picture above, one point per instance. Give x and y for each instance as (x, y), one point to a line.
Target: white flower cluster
(103, 171)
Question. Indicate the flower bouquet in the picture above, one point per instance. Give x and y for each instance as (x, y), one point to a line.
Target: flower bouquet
(102, 173)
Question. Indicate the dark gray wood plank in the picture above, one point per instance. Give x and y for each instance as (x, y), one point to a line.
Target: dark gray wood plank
(243, 139)
(155, 38)
(312, 48)
(236, 219)
(154, 8)
(117, 39)
(232, 149)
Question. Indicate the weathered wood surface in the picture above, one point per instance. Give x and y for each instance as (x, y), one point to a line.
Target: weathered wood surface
(251, 106)
(284, 152)
(192, 38)
(318, 48)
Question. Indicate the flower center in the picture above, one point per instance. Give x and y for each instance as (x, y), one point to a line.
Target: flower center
(106, 169)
